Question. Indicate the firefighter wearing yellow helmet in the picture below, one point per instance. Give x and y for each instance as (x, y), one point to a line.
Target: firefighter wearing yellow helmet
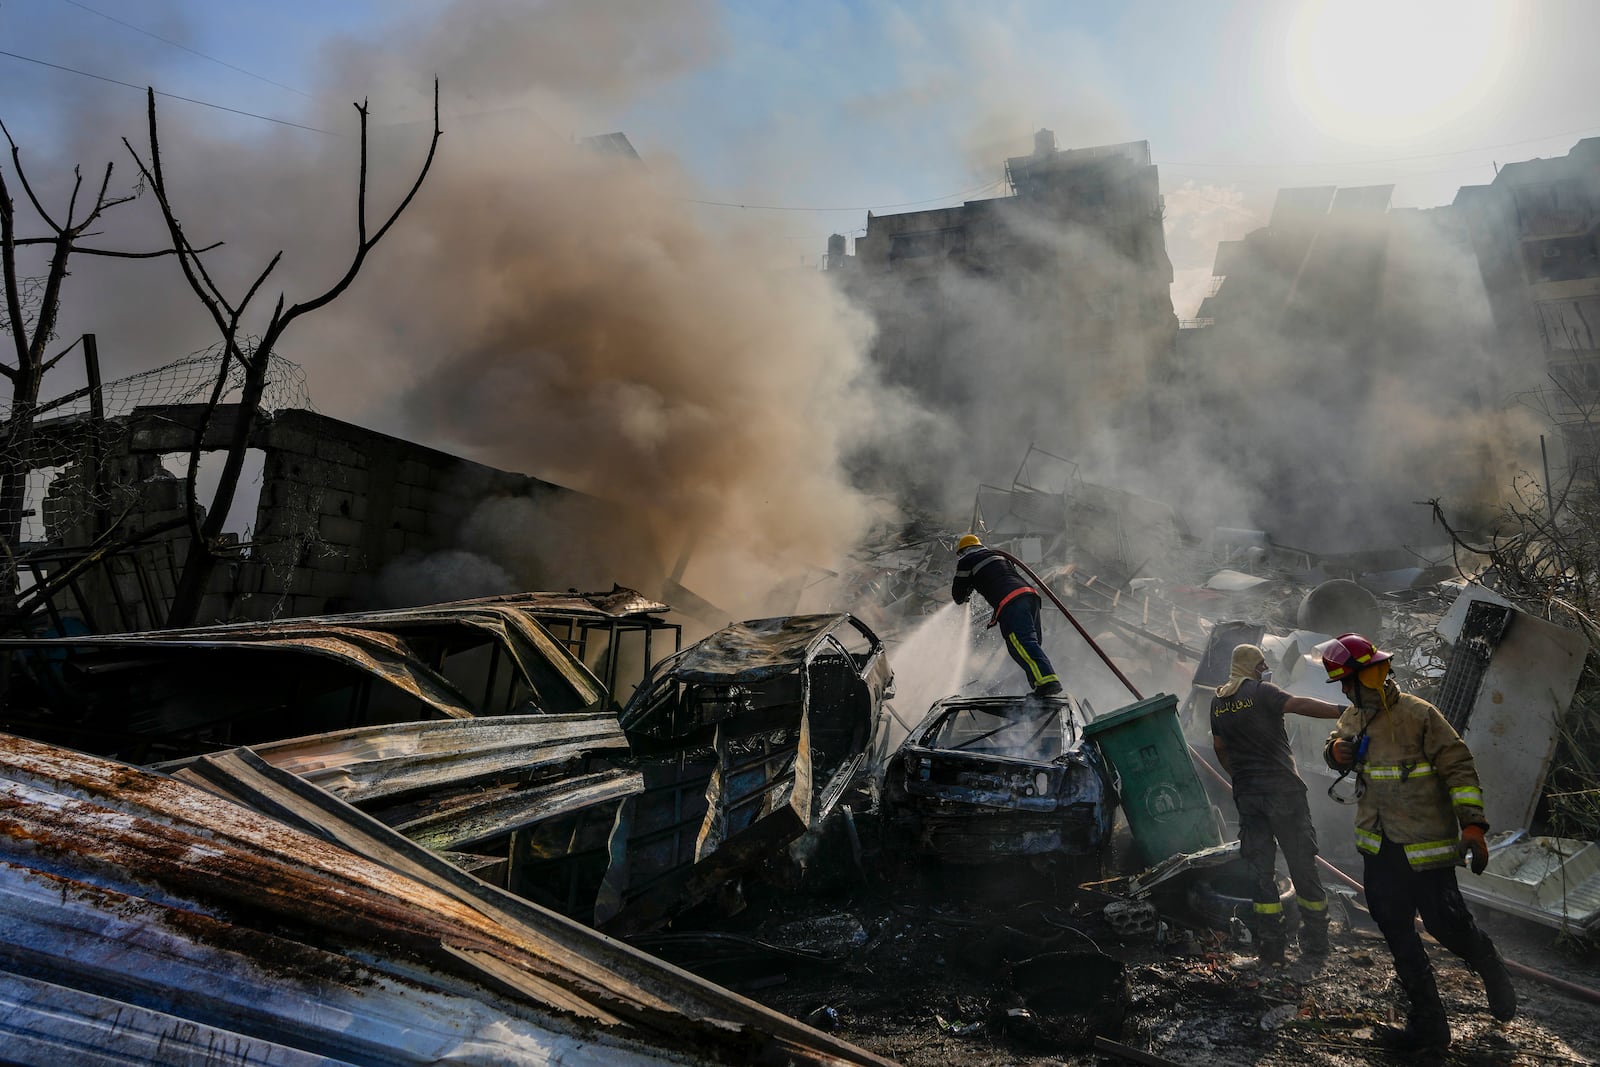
(1015, 606)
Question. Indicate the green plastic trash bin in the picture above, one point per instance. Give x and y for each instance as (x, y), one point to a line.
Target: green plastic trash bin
(1165, 804)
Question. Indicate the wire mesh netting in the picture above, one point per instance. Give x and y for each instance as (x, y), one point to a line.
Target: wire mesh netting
(67, 492)
(86, 482)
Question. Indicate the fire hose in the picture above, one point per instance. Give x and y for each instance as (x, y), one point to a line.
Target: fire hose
(1076, 625)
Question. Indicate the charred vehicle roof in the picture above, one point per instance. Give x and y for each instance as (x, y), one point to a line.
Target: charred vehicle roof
(988, 778)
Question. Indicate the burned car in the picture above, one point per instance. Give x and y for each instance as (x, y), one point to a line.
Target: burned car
(995, 777)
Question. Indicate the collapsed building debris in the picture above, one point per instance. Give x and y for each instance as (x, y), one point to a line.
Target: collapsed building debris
(736, 746)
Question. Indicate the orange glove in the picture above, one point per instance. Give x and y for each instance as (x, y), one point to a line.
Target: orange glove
(1472, 842)
(1343, 753)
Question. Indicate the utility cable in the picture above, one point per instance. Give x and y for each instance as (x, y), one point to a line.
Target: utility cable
(186, 48)
(169, 96)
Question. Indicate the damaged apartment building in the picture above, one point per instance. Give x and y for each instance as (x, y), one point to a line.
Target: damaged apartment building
(1536, 232)
(1355, 338)
(1031, 308)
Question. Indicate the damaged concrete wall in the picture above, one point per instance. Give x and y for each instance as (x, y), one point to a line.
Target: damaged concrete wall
(337, 502)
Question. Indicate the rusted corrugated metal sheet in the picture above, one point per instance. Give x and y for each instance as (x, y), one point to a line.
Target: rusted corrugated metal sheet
(461, 784)
(147, 921)
(372, 763)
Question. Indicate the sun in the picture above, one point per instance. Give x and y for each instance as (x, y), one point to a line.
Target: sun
(1389, 70)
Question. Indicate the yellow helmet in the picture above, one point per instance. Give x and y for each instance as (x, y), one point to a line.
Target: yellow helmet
(967, 541)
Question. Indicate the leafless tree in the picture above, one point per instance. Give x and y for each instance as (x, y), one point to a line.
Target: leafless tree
(237, 347)
(32, 310)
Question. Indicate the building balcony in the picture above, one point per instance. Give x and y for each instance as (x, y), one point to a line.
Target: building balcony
(1554, 221)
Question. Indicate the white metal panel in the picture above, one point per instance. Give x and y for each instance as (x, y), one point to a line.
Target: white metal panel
(1515, 721)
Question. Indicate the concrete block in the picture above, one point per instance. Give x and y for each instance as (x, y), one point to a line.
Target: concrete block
(394, 543)
(300, 581)
(293, 443)
(340, 453)
(330, 584)
(413, 473)
(336, 530)
(308, 471)
(410, 520)
(336, 502)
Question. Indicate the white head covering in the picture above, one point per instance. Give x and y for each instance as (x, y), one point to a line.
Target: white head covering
(1247, 660)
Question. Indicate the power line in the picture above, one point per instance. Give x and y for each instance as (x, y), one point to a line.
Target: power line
(186, 48)
(169, 96)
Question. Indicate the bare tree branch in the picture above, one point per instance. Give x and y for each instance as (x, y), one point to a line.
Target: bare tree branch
(53, 360)
(365, 244)
(110, 254)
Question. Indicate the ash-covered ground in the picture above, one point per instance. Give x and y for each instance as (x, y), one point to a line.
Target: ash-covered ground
(1002, 965)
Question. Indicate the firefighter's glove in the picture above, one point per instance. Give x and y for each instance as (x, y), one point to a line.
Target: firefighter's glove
(1474, 846)
(1342, 753)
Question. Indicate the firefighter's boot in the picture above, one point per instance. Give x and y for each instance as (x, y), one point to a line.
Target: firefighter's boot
(1313, 935)
(1426, 1026)
(1269, 949)
(1496, 981)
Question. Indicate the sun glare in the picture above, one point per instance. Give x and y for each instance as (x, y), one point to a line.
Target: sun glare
(1387, 70)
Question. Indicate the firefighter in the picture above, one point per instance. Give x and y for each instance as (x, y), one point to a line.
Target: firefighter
(1016, 608)
(1420, 810)
(1248, 734)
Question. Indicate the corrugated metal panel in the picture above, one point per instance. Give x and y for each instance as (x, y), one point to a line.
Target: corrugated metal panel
(454, 784)
(217, 933)
(370, 763)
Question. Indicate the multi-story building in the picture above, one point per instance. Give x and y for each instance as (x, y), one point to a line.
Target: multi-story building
(1346, 353)
(1041, 315)
(1536, 231)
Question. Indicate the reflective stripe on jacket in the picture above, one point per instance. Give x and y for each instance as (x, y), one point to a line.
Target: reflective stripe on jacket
(986, 571)
(1421, 783)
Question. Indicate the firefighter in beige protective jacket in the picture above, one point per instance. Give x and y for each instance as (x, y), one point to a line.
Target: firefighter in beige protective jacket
(1419, 810)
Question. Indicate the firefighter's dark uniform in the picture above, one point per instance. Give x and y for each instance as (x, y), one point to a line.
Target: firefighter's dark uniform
(1420, 787)
(1271, 797)
(1016, 610)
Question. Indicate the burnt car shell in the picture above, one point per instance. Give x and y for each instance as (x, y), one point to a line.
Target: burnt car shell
(986, 778)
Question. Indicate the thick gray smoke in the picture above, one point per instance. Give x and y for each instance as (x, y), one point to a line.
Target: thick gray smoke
(1353, 373)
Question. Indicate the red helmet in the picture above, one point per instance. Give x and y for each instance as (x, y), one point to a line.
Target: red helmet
(1349, 653)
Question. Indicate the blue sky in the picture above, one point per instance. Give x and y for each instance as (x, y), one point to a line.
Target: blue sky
(850, 104)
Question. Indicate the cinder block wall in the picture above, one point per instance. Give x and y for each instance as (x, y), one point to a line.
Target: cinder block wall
(339, 501)
(336, 502)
